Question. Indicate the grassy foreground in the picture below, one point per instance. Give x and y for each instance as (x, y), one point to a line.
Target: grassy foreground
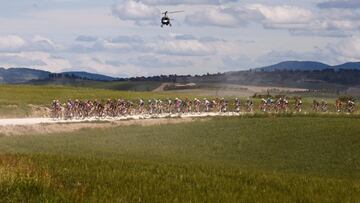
(291, 159)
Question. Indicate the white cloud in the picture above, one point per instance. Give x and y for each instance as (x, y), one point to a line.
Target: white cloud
(297, 20)
(237, 63)
(216, 17)
(174, 44)
(19, 52)
(11, 43)
(118, 44)
(14, 43)
(183, 47)
(55, 64)
(39, 43)
(104, 65)
(136, 11)
(283, 16)
(331, 23)
(15, 60)
(348, 48)
(127, 39)
(188, 45)
(108, 45)
(86, 38)
(134, 55)
(38, 60)
(177, 2)
(151, 61)
(144, 12)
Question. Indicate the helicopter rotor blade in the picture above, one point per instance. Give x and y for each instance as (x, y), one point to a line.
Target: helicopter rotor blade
(176, 12)
(171, 12)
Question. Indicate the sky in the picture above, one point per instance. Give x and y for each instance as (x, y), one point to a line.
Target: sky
(123, 38)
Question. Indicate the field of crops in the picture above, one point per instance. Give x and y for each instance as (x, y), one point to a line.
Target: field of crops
(253, 159)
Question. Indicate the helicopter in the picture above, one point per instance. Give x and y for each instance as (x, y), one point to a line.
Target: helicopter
(165, 20)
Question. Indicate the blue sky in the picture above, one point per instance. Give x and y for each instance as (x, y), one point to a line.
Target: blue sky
(123, 37)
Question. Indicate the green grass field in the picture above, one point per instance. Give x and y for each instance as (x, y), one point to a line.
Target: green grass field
(19, 100)
(140, 86)
(16, 100)
(249, 159)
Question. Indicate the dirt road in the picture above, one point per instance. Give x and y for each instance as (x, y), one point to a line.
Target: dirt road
(35, 121)
(45, 126)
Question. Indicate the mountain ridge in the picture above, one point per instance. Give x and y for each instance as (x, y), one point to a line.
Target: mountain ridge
(23, 75)
(308, 66)
(27, 75)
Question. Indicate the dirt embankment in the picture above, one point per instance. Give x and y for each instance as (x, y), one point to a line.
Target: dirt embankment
(161, 87)
(45, 129)
(230, 90)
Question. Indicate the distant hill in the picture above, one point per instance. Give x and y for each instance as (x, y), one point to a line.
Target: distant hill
(298, 74)
(308, 66)
(24, 75)
(348, 66)
(21, 75)
(296, 65)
